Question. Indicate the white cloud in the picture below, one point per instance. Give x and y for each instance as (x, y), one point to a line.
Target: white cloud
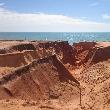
(14, 21)
(94, 4)
(106, 16)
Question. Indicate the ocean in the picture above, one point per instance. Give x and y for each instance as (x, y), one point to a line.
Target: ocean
(71, 37)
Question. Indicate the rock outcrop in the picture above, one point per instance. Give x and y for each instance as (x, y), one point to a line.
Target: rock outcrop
(22, 47)
(18, 58)
(101, 54)
(62, 49)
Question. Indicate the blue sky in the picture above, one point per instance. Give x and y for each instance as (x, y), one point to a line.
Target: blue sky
(94, 12)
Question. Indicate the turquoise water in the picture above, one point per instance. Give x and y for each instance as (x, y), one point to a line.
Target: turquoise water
(52, 36)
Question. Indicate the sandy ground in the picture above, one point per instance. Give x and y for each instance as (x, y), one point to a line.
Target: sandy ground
(95, 86)
(103, 44)
(6, 44)
(14, 104)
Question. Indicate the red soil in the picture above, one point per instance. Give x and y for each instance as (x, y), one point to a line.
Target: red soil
(46, 78)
